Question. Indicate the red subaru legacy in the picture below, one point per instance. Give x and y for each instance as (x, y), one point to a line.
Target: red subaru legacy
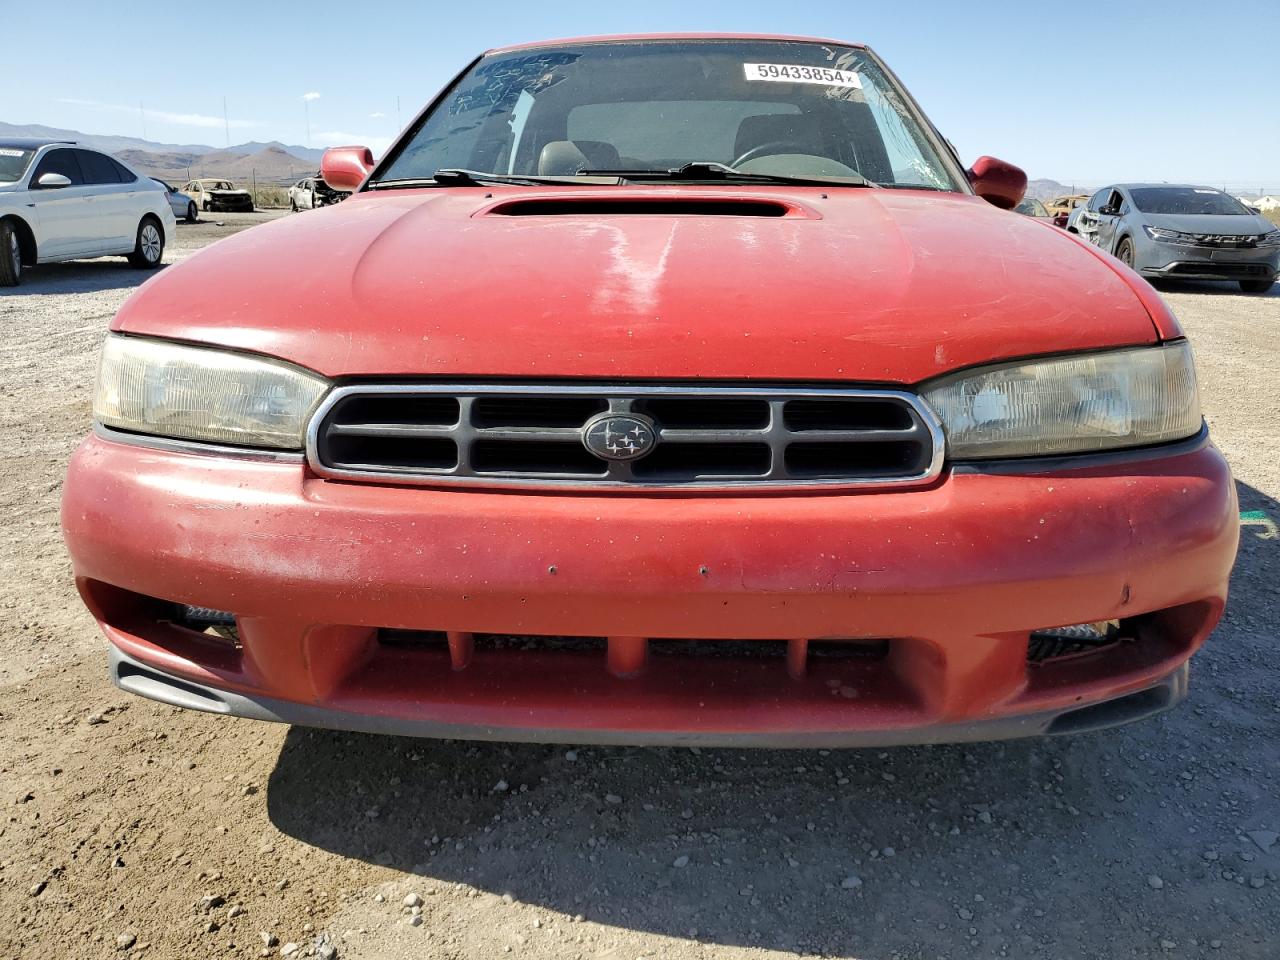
(656, 390)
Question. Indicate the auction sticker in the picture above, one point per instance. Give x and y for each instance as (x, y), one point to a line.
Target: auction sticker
(10, 153)
(794, 73)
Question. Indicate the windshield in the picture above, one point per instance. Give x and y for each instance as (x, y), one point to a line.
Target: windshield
(13, 163)
(1187, 200)
(763, 107)
(1032, 208)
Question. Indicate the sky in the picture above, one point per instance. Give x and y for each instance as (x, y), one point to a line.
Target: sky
(1081, 92)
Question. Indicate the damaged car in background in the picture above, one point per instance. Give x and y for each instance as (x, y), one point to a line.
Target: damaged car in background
(680, 390)
(215, 195)
(1183, 232)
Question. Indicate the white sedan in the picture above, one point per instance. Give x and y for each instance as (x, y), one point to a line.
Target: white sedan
(60, 201)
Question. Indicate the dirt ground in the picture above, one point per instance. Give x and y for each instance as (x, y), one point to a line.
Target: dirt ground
(134, 829)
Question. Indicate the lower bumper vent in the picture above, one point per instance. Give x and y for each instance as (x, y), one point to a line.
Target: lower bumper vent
(1060, 643)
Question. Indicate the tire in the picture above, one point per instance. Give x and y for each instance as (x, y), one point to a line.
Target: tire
(192, 214)
(1256, 286)
(293, 204)
(206, 206)
(1124, 252)
(148, 249)
(10, 255)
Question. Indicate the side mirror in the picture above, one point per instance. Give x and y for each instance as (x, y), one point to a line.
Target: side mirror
(1000, 184)
(53, 181)
(345, 168)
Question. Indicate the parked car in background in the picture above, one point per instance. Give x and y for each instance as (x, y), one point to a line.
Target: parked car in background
(312, 192)
(681, 390)
(60, 201)
(1031, 207)
(212, 194)
(1060, 207)
(1182, 231)
(182, 205)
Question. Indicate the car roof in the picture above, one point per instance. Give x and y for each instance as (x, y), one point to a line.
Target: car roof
(641, 37)
(1161, 186)
(29, 143)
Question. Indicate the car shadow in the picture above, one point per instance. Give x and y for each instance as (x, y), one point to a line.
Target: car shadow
(990, 849)
(79, 276)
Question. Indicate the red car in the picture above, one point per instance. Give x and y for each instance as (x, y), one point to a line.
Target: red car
(677, 389)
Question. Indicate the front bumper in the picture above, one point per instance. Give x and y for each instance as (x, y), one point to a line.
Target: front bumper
(1182, 262)
(948, 581)
(231, 203)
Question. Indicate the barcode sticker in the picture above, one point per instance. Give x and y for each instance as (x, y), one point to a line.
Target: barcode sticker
(795, 73)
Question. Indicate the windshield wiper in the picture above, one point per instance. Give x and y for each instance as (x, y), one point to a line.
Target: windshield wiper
(457, 177)
(711, 170)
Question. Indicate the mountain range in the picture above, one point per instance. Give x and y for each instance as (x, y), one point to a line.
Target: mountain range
(269, 162)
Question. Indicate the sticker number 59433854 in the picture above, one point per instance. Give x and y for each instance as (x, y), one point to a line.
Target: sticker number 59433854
(794, 73)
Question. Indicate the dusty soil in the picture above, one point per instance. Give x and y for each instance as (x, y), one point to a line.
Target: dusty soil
(135, 829)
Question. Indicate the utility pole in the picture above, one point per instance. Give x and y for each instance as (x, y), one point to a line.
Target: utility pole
(143, 113)
(306, 113)
(226, 124)
(399, 125)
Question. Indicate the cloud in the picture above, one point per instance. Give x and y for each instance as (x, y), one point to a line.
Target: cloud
(312, 95)
(164, 116)
(378, 115)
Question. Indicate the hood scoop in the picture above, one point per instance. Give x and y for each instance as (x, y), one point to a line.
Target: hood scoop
(643, 206)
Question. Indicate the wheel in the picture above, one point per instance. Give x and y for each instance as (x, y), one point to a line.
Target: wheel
(293, 203)
(1124, 252)
(206, 206)
(149, 248)
(1256, 286)
(192, 214)
(10, 256)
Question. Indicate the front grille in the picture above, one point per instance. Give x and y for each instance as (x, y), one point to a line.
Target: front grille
(1226, 240)
(1223, 268)
(708, 437)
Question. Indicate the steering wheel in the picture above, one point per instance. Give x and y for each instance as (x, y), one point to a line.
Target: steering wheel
(772, 148)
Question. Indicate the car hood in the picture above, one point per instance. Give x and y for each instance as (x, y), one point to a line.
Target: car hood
(847, 285)
(1225, 225)
(225, 192)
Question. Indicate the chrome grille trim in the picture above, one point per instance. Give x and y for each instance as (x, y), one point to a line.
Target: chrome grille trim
(925, 429)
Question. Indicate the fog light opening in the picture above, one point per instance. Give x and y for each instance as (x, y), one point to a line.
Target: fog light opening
(1075, 640)
(217, 624)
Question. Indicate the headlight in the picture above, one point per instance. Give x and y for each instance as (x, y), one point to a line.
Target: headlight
(199, 393)
(1099, 401)
(1170, 236)
(1270, 239)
